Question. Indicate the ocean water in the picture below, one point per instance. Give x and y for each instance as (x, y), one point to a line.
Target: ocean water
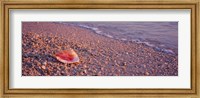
(162, 36)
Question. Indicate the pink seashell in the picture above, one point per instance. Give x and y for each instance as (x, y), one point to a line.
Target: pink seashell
(67, 56)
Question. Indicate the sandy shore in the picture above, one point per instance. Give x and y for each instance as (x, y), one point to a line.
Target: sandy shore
(99, 55)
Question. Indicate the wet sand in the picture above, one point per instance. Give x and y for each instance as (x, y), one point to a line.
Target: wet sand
(99, 55)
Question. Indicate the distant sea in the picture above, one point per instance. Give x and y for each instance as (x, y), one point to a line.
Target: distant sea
(162, 36)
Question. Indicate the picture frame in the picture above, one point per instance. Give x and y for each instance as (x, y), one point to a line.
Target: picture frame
(6, 6)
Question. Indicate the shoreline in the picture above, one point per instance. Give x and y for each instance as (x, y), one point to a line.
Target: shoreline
(100, 56)
(99, 32)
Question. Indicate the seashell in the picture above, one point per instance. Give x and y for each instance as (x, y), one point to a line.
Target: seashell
(67, 56)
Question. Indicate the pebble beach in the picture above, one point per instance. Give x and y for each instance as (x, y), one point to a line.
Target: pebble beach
(99, 55)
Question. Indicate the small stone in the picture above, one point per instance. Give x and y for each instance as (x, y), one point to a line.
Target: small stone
(147, 73)
(43, 67)
(62, 72)
(124, 64)
(84, 66)
(44, 63)
(85, 71)
(144, 66)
